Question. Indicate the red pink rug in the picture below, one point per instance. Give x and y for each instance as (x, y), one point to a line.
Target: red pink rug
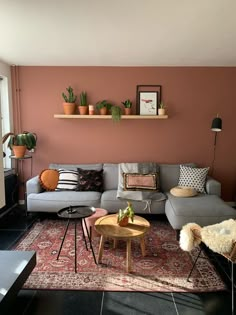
(164, 268)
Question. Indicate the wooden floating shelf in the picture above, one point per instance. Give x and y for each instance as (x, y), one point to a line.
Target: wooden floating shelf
(110, 117)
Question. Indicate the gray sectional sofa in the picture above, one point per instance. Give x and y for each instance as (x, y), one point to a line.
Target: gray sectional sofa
(203, 209)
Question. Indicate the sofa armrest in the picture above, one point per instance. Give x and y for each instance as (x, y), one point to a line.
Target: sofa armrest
(33, 186)
(213, 187)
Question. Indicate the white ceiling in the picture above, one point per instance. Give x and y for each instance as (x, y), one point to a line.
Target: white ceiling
(118, 32)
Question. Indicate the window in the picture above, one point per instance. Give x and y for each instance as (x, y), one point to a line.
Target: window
(5, 117)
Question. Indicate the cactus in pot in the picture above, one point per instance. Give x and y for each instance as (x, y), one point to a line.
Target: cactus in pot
(69, 101)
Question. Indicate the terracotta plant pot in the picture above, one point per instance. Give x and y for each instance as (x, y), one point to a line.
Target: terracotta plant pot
(103, 111)
(69, 108)
(83, 110)
(19, 150)
(127, 111)
(124, 221)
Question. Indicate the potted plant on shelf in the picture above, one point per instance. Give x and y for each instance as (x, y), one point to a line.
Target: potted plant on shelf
(124, 215)
(161, 109)
(116, 113)
(83, 107)
(127, 104)
(69, 104)
(103, 107)
(18, 143)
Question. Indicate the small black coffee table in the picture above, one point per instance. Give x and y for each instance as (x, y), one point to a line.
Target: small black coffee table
(78, 214)
(15, 267)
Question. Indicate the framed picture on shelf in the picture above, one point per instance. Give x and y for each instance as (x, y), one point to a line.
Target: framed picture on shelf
(148, 98)
(147, 103)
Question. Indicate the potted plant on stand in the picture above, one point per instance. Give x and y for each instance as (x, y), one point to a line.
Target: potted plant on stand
(103, 107)
(83, 107)
(18, 143)
(127, 104)
(124, 215)
(69, 104)
(161, 109)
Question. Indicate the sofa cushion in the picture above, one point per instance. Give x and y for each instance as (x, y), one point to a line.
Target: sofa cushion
(68, 180)
(53, 201)
(112, 204)
(49, 179)
(90, 180)
(136, 181)
(193, 177)
(169, 175)
(202, 209)
(74, 167)
(110, 175)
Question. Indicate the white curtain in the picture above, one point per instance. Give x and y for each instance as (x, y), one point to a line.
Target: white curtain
(2, 185)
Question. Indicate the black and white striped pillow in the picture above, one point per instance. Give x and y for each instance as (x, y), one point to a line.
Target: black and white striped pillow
(193, 177)
(68, 180)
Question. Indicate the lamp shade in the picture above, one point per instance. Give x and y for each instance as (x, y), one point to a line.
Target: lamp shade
(216, 124)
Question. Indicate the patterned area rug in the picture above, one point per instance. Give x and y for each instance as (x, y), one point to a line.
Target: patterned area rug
(164, 268)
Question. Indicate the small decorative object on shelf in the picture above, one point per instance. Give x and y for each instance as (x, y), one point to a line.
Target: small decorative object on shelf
(127, 104)
(83, 107)
(161, 109)
(116, 113)
(148, 97)
(124, 215)
(18, 143)
(69, 104)
(103, 107)
(91, 110)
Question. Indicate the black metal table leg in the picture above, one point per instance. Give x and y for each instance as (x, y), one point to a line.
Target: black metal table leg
(75, 247)
(64, 236)
(200, 250)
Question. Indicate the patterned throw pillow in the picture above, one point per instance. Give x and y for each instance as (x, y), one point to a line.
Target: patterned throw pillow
(49, 179)
(68, 180)
(136, 181)
(193, 177)
(90, 180)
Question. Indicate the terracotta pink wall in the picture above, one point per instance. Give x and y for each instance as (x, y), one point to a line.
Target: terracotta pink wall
(193, 96)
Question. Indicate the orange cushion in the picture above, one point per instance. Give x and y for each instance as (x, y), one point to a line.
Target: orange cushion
(49, 179)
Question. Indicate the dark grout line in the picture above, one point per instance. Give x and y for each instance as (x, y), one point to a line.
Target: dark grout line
(29, 303)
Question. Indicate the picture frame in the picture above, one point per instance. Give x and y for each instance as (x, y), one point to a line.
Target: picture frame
(148, 103)
(154, 97)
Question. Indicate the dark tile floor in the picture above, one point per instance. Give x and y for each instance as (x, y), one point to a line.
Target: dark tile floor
(42, 302)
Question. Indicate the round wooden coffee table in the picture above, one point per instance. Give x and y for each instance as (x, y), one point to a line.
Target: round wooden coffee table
(108, 227)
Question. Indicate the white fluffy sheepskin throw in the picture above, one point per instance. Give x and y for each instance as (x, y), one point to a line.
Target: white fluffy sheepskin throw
(187, 240)
(219, 237)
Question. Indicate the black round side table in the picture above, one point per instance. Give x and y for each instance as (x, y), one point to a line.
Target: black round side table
(78, 214)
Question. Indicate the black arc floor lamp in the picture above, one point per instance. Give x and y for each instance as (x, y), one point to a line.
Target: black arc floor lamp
(216, 126)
